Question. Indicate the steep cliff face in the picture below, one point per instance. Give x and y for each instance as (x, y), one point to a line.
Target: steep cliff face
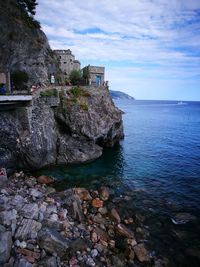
(72, 127)
(23, 46)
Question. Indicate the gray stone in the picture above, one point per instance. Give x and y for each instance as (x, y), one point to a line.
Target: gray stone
(53, 242)
(6, 217)
(36, 193)
(28, 229)
(22, 263)
(30, 211)
(49, 262)
(5, 246)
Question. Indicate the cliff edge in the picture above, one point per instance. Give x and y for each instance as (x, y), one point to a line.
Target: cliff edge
(59, 127)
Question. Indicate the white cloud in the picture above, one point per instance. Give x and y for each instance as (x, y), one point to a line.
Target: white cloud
(158, 33)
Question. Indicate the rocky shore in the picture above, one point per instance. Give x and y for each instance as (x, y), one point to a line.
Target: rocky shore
(75, 227)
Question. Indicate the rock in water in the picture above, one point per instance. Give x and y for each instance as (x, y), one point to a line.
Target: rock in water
(53, 242)
(141, 252)
(97, 203)
(104, 193)
(183, 217)
(115, 215)
(124, 231)
(82, 193)
(43, 179)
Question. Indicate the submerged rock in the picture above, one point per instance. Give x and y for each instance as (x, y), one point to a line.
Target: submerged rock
(183, 217)
(141, 252)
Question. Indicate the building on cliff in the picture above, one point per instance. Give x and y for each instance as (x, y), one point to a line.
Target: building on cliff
(96, 74)
(68, 63)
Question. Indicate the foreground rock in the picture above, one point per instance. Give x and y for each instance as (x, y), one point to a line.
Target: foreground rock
(76, 227)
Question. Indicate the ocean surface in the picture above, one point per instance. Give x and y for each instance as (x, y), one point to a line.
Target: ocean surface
(158, 165)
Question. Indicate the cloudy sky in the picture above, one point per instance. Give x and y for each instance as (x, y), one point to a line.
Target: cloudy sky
(150, 48)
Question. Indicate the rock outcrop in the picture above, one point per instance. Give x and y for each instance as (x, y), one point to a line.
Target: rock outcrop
(24, 46)
(71, 126)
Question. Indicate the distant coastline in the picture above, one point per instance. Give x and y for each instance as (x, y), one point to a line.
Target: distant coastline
(120, 95)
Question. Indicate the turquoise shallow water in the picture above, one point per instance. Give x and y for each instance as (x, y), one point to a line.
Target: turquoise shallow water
(158, 163)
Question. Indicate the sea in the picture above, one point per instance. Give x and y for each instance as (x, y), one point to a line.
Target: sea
(158, 166)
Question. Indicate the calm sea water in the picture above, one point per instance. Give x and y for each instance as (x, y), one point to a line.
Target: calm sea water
(159, 162)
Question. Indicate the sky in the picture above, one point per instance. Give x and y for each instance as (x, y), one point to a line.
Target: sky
(150, 48)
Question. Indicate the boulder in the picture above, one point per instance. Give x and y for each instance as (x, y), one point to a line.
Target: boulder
(43, 179)
(97, 203)
(141, 252)
(7, 216)
(124, 231)
(5, 246)
(104, 193)
(114, 215)
(183, 217)
(82, 193)
(28, 229)
(53, 242)
(30, 211)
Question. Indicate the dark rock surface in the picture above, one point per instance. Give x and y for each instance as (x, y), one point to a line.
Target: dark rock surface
(73, 131)
(23, 46)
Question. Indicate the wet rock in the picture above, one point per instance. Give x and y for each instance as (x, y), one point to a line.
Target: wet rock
(104, 193)
(97, 203)
(28, 229)
(124, 231)
(77, 209)
(83, 193)
(43, 179)
(53, 242)
(103, 211)
(5, 246)
(103, 235)
(117, 262)
(141, 252)
(114, 215)
(183, 217)
(30, 211)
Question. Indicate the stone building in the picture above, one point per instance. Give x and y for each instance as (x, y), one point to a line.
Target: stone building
(67, 62)
(96, 74)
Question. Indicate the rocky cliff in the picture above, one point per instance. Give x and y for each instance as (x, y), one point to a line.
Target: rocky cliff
(71, 126)
(23, 46)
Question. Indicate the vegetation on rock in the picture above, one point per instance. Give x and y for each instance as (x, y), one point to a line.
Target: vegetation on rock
(75, 77)
(49, 93)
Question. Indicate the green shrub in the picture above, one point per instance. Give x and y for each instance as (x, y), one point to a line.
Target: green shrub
(78, 91)
(49, 93)
(75, 77)
(19, 79)
(84, 106)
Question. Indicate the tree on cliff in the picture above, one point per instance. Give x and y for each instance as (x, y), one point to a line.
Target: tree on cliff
(86, 74)
(28, 6)
(75, 77)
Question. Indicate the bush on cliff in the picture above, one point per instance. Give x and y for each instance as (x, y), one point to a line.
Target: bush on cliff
(19, 79)
(75, 77)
